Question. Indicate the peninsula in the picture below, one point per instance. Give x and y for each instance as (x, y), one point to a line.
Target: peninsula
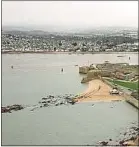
(109, 82)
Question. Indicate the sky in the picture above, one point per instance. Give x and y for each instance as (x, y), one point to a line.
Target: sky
(70, 13)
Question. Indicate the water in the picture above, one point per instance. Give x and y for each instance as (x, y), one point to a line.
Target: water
(37, 75)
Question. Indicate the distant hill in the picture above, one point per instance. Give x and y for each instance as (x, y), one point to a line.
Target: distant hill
(45, 30)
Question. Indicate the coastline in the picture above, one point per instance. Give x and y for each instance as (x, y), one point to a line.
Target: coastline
(98, 91)
(51, 52)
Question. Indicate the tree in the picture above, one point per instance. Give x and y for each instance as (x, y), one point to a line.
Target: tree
(60, 44)
(84, 44)
(54, 49)
(74, 44)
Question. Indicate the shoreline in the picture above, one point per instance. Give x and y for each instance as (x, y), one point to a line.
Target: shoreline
(98, 91)
(51, 52)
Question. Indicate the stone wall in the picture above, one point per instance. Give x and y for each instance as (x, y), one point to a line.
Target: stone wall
(106, 73)
(119, 71)
(94, 74)
(83, 69)
(120, 76)
(132, 101)
(85, 80)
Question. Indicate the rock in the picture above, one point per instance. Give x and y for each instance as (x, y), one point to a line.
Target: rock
(5, 110)
(85, 80)
(134, 128)
(132, 138)
(72, 101)
(43, 102)
(137, 129)
(44, 98)
(66, 103)
(92, 67)
(94, 74)
(61, 103)
(129, 143)
(120, 75)
(48, 101)
(68, 98)
(110, 139)
(83, 69)
(104, 143)
(133, 133)
(135, 94)
(57, 104)
(33, 109)
(51, 96)
(14, 107)
(45, 105)
(121, 142)
(125, 133)
(57, 100)
(53, 100)
(106, 73)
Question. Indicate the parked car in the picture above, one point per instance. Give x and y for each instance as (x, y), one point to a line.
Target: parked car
(114, 91)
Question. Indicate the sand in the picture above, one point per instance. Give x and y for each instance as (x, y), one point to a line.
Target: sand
(98, 91)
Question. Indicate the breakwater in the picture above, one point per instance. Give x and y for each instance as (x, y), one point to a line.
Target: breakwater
(131, 100)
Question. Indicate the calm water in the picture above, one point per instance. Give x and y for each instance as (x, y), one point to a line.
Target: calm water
(37, 75)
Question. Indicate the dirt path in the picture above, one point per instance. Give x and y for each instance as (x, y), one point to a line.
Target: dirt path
(98, 90)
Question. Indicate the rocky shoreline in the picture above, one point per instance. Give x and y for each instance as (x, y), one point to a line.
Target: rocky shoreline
(128, 138)
(50, 100)
(11, 108)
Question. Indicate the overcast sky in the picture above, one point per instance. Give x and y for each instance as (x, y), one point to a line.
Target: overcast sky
(71, 13)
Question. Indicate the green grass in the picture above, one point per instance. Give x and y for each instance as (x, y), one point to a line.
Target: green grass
(130, 85)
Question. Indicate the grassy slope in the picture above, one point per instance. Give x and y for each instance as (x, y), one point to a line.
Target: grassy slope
(131, 85)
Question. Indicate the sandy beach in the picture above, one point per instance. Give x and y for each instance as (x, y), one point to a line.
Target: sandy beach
(98, 91)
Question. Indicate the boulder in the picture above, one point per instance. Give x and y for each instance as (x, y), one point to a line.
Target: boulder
(104, 65)
(106, 73)
(5, 110)
(104, 143)
(15, 107)
(94, 74)
(86, 79)
(83, 69)
(121, 142)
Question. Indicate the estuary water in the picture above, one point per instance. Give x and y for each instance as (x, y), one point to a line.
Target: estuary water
(37, 75)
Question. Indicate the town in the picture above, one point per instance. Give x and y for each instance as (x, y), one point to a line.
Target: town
(97, 41)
